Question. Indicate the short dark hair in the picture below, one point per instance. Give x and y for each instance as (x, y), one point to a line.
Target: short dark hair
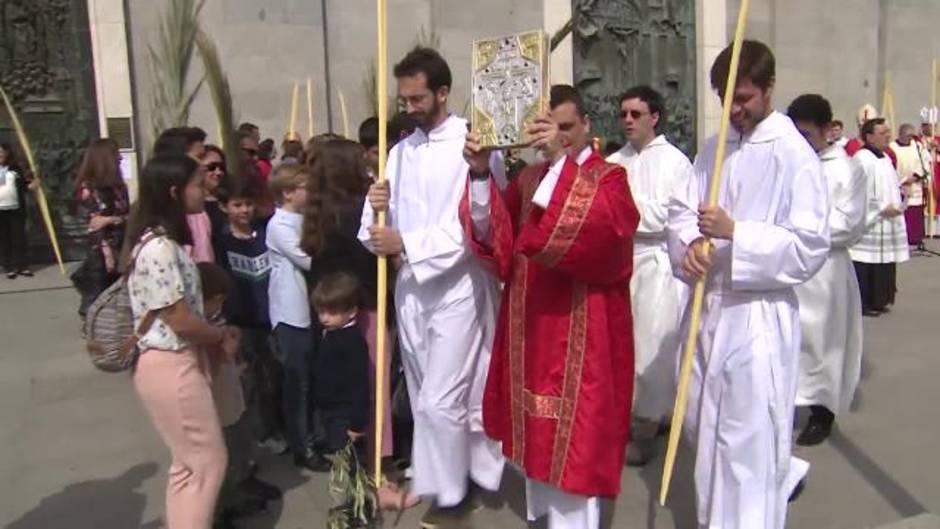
(178, 140)
(248, 127)
(429, 62)
(171, 141)
(238, 187)
(757, 63)
(215, 280)
(563, 93)
(813, 108)
(369, 132)
(838, 123)
(869, 127)
(337, 292)
(648, 95)
(266, 149)
(195, 135)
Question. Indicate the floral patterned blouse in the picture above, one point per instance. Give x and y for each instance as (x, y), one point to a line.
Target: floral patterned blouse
(108, 202)
(163, 274)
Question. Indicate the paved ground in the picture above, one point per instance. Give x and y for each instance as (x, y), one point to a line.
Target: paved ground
(78, 453)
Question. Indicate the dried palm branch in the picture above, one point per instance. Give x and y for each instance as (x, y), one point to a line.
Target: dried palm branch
(221, 94)
(34, 169)
(170, 94)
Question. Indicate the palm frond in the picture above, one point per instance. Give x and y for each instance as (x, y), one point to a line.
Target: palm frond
(428, 39)
(171, 96)
(221, 93)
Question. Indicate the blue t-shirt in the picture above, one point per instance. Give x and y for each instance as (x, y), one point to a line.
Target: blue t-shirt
(248, 263)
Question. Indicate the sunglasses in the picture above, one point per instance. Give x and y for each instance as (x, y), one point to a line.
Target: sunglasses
(635, 114)
(215, 166)
(252, 152)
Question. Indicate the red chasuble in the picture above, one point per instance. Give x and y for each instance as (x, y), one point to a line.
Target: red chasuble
(560, 383)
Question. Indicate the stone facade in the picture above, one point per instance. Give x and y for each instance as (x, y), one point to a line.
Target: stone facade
(267, 45)
(843, 49)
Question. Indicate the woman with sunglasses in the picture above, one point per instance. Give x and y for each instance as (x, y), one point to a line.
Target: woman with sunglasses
(216, 173)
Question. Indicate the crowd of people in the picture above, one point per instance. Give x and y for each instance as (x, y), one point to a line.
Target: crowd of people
(538, 310)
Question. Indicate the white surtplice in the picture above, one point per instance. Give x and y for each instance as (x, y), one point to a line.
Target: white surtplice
(885, 238)
(740, 410)
(657, 297)
(830, 303)
(446, 305)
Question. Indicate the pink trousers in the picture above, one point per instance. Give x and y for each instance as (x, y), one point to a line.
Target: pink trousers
(367, 320)
(176, 393)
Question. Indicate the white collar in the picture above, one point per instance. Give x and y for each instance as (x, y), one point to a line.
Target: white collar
(769, 129)
(583, 157)
(832, 152)
(658, 141)
(452, 128)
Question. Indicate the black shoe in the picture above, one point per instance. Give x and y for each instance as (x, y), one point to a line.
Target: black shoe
(816, 432)
(246, 507)
(11, 275)
(25, 273)
(261, 489)
(314, 462)
(797, 491)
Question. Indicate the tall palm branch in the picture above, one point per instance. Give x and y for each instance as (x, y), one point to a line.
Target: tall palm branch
(221, 94)
(171, 93)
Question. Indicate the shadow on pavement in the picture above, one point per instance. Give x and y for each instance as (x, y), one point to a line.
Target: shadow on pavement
(94, 504)
(900, 499)
(681, 499)
(280, 471)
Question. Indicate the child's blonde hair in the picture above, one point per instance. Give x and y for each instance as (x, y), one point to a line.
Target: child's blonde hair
(287, 177)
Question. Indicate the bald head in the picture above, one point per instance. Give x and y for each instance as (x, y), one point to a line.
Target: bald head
(905, 134)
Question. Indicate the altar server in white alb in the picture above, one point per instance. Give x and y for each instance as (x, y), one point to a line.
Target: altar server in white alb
(830, 304)
(654, 169)
(884, 243)
(771, 233)
(445, 300)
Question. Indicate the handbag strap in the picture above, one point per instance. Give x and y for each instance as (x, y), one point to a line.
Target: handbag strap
(149, 318)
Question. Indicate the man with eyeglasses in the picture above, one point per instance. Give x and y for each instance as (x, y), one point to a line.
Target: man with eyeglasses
(654, 168)
(445, 298)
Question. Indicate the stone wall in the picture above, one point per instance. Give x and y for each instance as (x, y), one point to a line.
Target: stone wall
(266, 45)
(834, 48)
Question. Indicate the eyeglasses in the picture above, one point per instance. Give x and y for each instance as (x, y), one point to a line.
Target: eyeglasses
(635, 114)
(215, 166)
(250, 152)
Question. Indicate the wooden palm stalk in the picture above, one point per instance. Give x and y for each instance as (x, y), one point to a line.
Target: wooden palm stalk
(345, 114)
(292, 120)
(382, 304)
(688, 355)
(40, 193)
(932, 182)
(309, 108)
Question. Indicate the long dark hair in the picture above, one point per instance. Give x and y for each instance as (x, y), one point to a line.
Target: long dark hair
(99, 168)
(338, 182)
(11, 161)
(156, 206)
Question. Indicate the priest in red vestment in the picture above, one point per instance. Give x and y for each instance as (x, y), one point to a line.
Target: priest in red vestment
(560, 382)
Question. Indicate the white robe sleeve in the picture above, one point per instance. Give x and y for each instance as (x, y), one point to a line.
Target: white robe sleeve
(654, 208)
(789, 252)
(847, 217)
(682, 227)
(480, 209)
